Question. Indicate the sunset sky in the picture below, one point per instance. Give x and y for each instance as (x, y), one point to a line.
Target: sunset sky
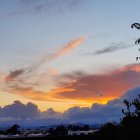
(60, 54)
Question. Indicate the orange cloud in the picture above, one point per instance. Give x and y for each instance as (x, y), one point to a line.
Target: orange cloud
(31, 82)
(133, 67)
(62, 51)
(78, 86)
(30, 93)
(101, 87)
(71, 45)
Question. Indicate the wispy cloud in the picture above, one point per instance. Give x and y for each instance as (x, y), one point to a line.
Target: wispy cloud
(47, 58)
(27, 81)
(44, 6)
(112, 48)
(13, 74)
(64, 50)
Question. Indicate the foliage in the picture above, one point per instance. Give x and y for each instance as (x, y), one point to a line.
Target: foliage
(76, 127)
(13, 129)
(131, 119)
(137, 26)
(129, 125)
(86, 127)
(109, 129)
(62, 130)
(59, 130)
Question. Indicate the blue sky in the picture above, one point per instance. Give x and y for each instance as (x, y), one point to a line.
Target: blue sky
(27, 33)
(33, 29)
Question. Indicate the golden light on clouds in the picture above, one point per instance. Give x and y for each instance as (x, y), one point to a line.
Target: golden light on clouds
(75, 88)
(80, 88)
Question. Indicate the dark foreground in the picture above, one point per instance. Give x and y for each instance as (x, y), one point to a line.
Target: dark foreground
(84, 137)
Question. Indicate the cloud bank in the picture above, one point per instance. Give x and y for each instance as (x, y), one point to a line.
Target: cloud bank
(97, 113)
(112, 48)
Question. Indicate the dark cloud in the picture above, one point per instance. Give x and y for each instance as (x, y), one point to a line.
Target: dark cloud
(50, 113)
(99, 113)
(29, 114)
(96, 114)
(13, 74)
(131, 94)
(112, 48)
(19, 110)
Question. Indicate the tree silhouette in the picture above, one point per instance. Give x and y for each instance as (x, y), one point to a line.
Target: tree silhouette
(129, 126)
(76, 127)
(131, 119)
(51, 131)
(13, 129)
(137, 26)
(109, 129)
(86, 127)
(61, 130)
(70, 127)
